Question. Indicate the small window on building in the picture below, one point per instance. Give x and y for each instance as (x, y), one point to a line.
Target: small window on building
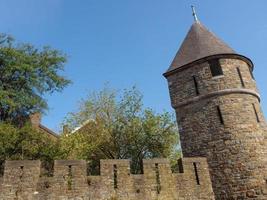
(219, 112)
(157, 178)
(196, 85)
(256, 113)
(115, 176)
(215, 67)
(196, 172)
(240, 77)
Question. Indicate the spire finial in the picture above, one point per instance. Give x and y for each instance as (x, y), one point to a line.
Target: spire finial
(194, 13)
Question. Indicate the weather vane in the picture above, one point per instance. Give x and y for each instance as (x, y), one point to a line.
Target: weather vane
(194, 13)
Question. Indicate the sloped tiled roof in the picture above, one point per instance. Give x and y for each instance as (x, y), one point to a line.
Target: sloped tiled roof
(199, 43)
(48, 131)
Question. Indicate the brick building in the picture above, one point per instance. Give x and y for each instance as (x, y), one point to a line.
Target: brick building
(35, 120)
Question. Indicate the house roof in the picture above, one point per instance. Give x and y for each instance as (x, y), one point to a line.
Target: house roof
(82, 125)
(199, 43)
(48, 131)
(35, 120)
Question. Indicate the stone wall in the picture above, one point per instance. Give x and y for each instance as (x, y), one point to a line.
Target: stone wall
(182, 89)
(220, 123)
(22, 180)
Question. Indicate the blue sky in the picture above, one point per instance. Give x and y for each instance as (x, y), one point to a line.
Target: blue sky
(126, 42)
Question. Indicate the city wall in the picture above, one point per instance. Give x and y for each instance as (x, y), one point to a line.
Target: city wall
(23, 180)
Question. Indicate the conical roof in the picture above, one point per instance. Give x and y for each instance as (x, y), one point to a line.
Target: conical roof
(199, 43)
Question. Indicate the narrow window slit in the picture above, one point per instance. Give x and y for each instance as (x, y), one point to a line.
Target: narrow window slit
(46, 184)
(256, 113)
(157, 178)
(69, 178)
(180, 166)
(196, 173)
(220, 114)
(88, 181)
(69, 170)
(21, 172)
(240, 77)
(2, 168)
(115, 176)
(196, 85)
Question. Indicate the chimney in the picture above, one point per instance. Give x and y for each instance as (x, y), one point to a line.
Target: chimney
(66, 129)
(35, 119)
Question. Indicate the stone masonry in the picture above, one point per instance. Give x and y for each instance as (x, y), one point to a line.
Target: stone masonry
(236, 149)
(218, 111)
(22, 180)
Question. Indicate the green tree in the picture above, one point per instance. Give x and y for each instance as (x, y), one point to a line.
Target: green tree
(26, 74)
(26, 143)
(118, 127)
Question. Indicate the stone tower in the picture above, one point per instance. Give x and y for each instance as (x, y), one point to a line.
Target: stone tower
(217, 105)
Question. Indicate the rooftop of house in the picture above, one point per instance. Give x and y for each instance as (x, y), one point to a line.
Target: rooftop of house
(35, 120)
